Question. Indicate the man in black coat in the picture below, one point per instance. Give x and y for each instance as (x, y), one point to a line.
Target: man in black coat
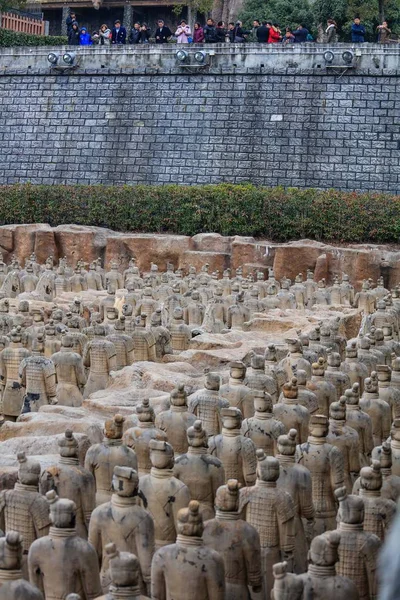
(163, 33)
(118, 35)
(210, 32)
(69, 20)
(134, 37)
(263, 33)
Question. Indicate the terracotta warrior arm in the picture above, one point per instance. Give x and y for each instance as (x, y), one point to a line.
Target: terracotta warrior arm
(145, 543)
(90, 575)
(80, 374)
(86, 356)
(305, 497)
(158, 586)
(370, 553)
(35, 573)
(88, 497)
(368, 438)
(94, 537)
(216, 579)
(354, 457)
(22, 373)
(252, 557)
(337, 468)
(249, 461)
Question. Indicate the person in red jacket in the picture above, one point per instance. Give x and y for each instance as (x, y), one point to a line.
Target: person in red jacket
(274, 34)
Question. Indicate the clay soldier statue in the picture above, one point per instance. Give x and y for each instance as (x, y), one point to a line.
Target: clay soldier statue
(124, 574)
(296, 481)
(101, 458)
(379, 512)
(237, 313)
(236, 541)
(10, 360)
(386, 391)
(206, 404)
(24, 509)
(202, 473)
(180, 332)
(390, 483)
(377, 409)
(114, 279)
(295, 359)
(320, 582)
(51, 342)
(334, 375)
(29, 281)
(188, 563)
(236, 452)
(144, 342)
(100, 358)
(236, 392)
(176, 420)
(127, 312)
(123, 344)
(161, 335)
(257, 379)
(77, 283)
(62, 562)
(263, 429)
(75, 325)
(287, 300)
(123, 521)
(323, 389)
(93, 279)
(38, 376)
(365, 356)
(71, 481)
(12, 584)
(138, 438)
(162, 493)
(361, 422)
(70, 374)
(356, 371)
(358, 549)
(326, 465)
(292, 414)
(346, 439)
(305, 396)
(271, 512)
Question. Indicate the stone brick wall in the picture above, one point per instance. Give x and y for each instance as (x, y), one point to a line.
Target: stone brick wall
(277, 129)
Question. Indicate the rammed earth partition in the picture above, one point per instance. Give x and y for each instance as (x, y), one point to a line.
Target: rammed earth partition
(292, 116)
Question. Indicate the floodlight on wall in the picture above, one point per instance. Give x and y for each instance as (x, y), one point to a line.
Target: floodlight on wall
(328, 56)
(348, 56)
(53, 58)
(181, 56)
(200, 57)
(69, 58)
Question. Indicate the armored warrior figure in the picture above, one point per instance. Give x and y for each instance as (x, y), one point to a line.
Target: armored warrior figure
(161, 335)
(263, 428)
(37, 375)
(323, 389)
(11, 391)
(123, 344)
(236, 392)
(379, 511)
(346, 439)
(377, 409)
(356, 371)
(292, 414)
(100, 359)
(176, 420)
(206, 404)
(361, 422)
(70, 374)
(12, 586)
(144, 342)
(257, 379)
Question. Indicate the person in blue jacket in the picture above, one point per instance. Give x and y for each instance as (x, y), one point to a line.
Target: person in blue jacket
(84, 38)
(357, 32)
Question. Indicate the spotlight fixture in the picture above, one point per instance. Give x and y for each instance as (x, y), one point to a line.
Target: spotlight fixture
(52, 58)
(200, 56)
(348, 56)
(69, 58)
(181, 55)
(328, 56)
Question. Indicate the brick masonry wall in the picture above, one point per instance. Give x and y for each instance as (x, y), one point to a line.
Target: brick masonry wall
(290, 130)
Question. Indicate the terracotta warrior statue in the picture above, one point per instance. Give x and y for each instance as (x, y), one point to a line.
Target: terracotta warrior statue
(12, 393)
(334, 375)
(176, 420)
(321, 581)
(206, 404)
(324, 390)
(124, 569)
(358, 549)
(72, 481)
(379, 511)
(236, 452)
(70, 374)
(161, 335)
(37, 375)
(295, 359)
(101, 458)
(100, 358)
(387, 391)
(163, 494)
(181, 333)
(62, 562)
(257, 379)
(202, 473)
(138, 438)
(326, 465)
(24, 509)
(378, 409)
(123, 521)
(188, 563)
(361, 422)
(295, 479)
(236, 541)
(263, 429)
(356, 371)
(144, 342)
(12, 584)
(291, 413)
(271, 512)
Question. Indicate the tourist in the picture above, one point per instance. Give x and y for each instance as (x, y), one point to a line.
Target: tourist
(357, 32)
(288, 38)
(134, 37)
(231, 32)
(183, 33)
(118, 35)
(69, 21)
(274, 34)
(74, 35)
(331, 36)
(105, 35)
(300, 35)
(163, 33)
(384, 33)
(253, 33)
(84, 38)
(240, 34)
(210, 32)
(220, 32)
(198, 33)
(144, 34)
(263, 33)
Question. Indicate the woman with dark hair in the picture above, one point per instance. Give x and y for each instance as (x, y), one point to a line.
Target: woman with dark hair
(274, 34)
(331, 32)
(144, 34)
(198, 33)
(105, 35)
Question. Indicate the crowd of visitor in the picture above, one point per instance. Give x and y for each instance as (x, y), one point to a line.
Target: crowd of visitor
(265, 32)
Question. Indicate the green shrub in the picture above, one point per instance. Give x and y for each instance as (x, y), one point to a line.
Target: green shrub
(273, 213)
(12, 38)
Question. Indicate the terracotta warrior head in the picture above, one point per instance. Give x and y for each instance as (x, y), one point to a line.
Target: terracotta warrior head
(351, 508)
(258, 362)
(262, 401)
(231, 418)
(11, 552)
(68, 445)
(155, 318)
(190, 521)
(351, 350)
(62, 511)
(237, 370)
(324, 549)
(29, 470)
(124, 571)
(125, 482)
(270, 353)
(113, 428)
(212, 381)
(161, 454)
(353, 395)
(267, 467)
(318, 426)
(145, 412)
(178, 396)
(371, 477)
(290, 390)
(337, 410)
(318, 368)
(197, 436)
(16, 335)
(227, 497)
(287, 443)
(371, 383)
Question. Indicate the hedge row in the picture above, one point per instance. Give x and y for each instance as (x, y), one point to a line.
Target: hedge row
(12, 38)
(272, 213)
